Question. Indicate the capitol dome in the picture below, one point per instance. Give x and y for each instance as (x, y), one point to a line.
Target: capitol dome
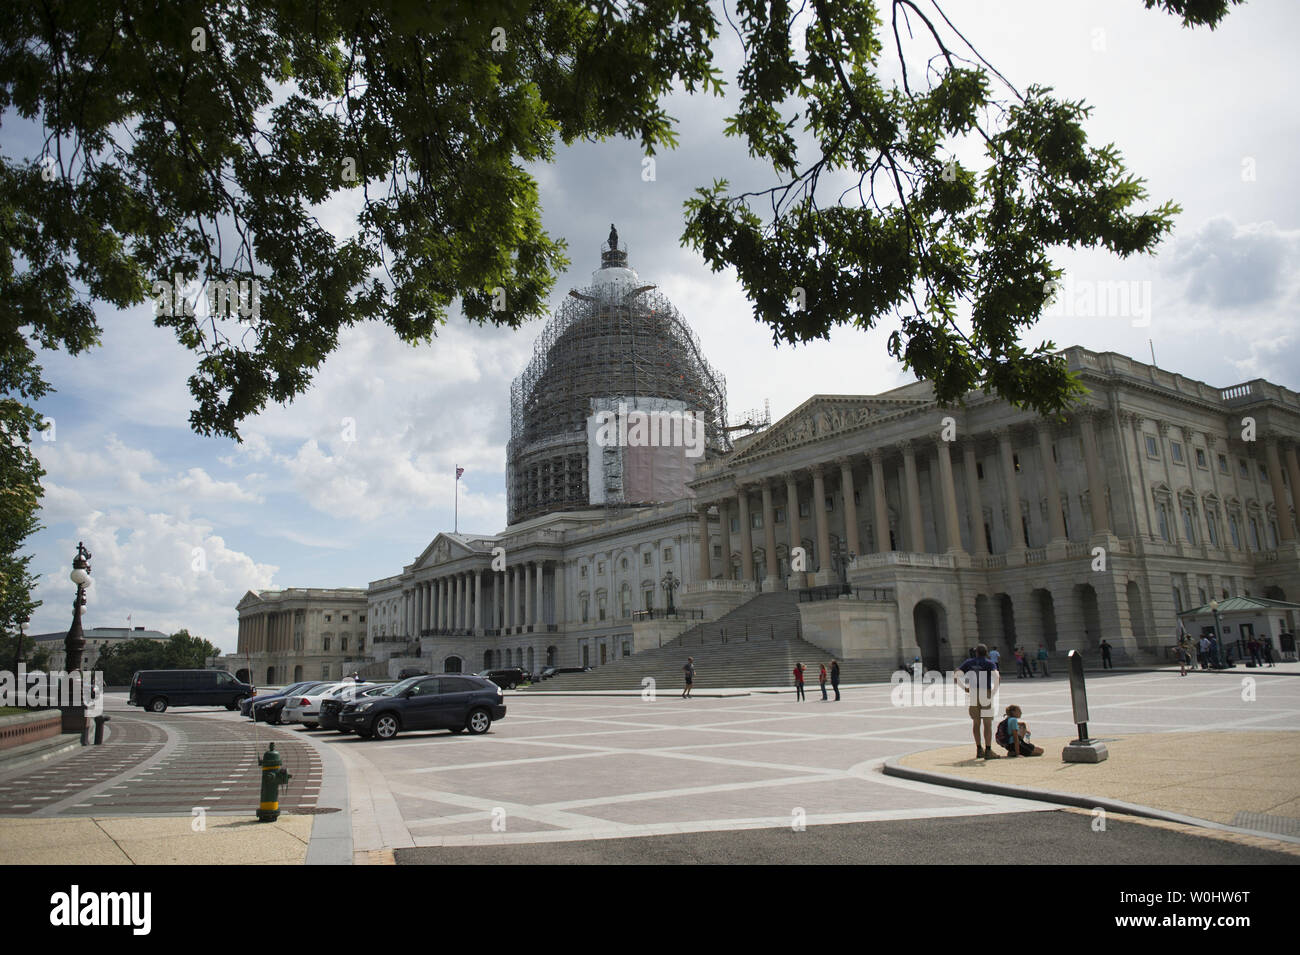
(616, 341)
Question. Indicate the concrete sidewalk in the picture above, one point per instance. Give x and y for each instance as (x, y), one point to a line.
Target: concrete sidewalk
(158, 840)
(1249, 781)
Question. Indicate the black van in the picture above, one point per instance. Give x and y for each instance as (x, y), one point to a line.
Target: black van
(158, 689)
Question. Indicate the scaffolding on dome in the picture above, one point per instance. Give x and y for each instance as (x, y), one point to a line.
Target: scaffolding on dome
(607, 341)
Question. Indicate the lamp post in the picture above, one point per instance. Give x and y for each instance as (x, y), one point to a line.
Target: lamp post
(75, 643)
(669, 584)
(1218, 634)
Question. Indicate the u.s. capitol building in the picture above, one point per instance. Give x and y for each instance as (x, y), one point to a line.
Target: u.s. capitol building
(875, 528)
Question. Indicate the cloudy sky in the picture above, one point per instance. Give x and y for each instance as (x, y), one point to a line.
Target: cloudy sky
(181, 526)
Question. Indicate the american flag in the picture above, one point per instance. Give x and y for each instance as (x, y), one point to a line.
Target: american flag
(459, 472)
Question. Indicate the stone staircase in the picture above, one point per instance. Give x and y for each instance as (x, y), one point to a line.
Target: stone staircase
(757, 644)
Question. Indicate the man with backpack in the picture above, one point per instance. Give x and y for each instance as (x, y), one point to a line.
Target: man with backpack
(980, 679)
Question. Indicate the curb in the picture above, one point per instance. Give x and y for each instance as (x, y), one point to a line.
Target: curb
(893, 767)
(331, 832)
(39, 751)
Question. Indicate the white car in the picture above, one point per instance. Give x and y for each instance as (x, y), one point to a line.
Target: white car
(305, 709)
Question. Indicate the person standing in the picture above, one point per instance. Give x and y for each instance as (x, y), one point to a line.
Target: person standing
(995, 658)
(979, 678)
(1267, 644)
(1184, 654)
(1105, 656)
(689, 672)
(835, 678)
(1042, 659)
(798, 681)
(821, 678)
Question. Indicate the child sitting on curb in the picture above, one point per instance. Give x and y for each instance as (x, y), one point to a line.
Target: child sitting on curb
(1013, 733)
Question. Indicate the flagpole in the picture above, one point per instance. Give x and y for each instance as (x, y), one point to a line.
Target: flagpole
(456, 518)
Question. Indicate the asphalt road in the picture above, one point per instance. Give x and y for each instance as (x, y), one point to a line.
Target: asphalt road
(1031, 838)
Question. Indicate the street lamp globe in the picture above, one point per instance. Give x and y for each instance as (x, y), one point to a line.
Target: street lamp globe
(79, 577)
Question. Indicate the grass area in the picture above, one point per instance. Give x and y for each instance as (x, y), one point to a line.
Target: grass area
(12, 710)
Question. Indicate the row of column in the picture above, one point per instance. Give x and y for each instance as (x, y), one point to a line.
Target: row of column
(455, 601)
(911, 521)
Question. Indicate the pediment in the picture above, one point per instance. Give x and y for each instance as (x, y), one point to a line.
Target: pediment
(443, 548)
(826, 416)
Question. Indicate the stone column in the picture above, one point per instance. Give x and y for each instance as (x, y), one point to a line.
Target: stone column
(1012, 485)
(1055, 520)
(1096, 479)
(974, 504)
(915, 531)
(948, 490)
(561, 603)
(510, 598)
(539, 609)
(794, 536)
(705, 569)
(746, 538)
(444, 598)
(478, 602)
(878, 501)
(526, 585)
(850, 508)
(823, 575)
(724, 520)
(772, 579)
(1293, 474)
(1285, 531)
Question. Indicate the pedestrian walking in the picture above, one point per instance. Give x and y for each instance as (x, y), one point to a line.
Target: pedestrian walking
(1042, 659)
(689, 673)
(995, 658)
(835, 678)
(1026, 664)
(1253, 647)
(821, 678)
(1105, 656)
(798, 681)
(1184, 654)
(979, 678)
(1268, 652)
(1203, 654)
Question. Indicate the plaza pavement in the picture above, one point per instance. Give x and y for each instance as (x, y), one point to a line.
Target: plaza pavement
(564, 769)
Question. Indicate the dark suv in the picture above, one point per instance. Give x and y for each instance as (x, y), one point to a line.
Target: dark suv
(506, 677)
(158, 689)
(449, 701)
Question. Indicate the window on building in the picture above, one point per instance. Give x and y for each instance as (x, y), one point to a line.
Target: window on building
(647, 558)
(1189, 524)
(1212, 526)
(582, 571)
(735, 525)
(1153, 448)
(778, 515)
(627, 648)
(361, 644)
(624, 564)
(1254, 534)
(584, 609)
(325, 644)
(668, 554)
(1243, 468)
(857, 497)
(717, 550)
(1235, 530)
(988, 538)
(343, 644)
(756, 520)
(804, 509)
(345, 618)
(979, 470)
(1162, 518)
(601, 607)
(1223, 464)
(1200, 592)
(1263, 473)
(1178, 599)
(1272, 531)
(647, 599)
(1176, 452)
(600, 568)
(327, 618)
(1201, 461)
(830, 502)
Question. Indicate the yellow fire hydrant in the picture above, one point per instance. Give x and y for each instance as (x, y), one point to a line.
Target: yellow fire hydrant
(274, 776)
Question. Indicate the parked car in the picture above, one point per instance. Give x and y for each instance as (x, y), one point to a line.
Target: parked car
(155, 690)
(450, 701)
(304, 706)
(552, 671)
(268, 709)
(409, 672)
(246, 704)
(506, 677)
(332, 705)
